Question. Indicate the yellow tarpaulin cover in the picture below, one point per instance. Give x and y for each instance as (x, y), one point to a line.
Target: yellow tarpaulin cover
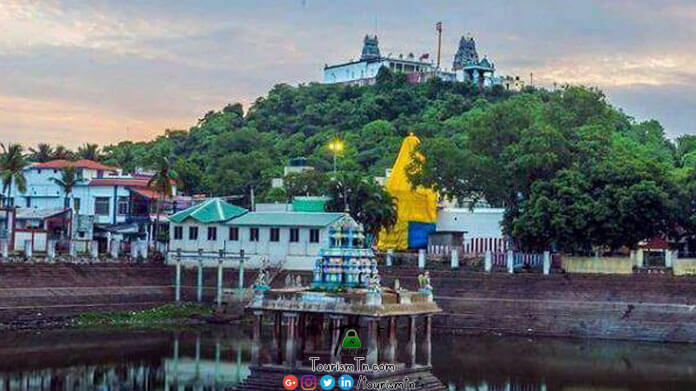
(413, 205)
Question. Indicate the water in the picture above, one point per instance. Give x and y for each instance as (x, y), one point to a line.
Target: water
(120, 360)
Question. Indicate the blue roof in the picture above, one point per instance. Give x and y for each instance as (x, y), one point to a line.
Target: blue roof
(287, 219)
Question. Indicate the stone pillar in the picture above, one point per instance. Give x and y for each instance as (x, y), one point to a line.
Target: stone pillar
(277, 338)
(177, 282)
(454, 258)
(199, 281)
(427, 344)
(547, 262)
(115, 248)
(390, 354)
(93, 249)
(510, 261)
(241, 272)
(421, 259)
(51, 250)
(411, 341)
(670, 257)
(143, 250)
(290, 346)
(134, 249)
(256, 339)
(640, 256)
(335, 335)
(219, 283)
(390, 257)
(372, 345)
(488, 261)
(5, 247)
(28, 249)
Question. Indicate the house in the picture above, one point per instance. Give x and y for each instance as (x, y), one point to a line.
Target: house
(291, 238)
(105, 203)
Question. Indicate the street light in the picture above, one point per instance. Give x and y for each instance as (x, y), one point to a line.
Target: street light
(335, 146)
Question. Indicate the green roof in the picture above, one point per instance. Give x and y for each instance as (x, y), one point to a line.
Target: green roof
(309, 204)
(213, 210)
(287, 219)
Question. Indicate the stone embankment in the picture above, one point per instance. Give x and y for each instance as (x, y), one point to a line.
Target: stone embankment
(648, 307)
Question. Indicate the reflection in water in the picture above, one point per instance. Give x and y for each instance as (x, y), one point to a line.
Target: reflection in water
(218, 359)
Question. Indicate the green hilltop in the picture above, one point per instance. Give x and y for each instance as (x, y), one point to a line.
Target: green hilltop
(573, 172)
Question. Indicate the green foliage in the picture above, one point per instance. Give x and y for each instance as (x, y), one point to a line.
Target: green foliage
(572, 172)
(165, 314)
(368, 202)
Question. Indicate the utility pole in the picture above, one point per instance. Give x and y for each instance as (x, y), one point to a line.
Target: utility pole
(438, 27)
(531, 79)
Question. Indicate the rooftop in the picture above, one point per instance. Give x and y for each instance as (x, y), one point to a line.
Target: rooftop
(39, 214)
(214, 210)
(287, 219)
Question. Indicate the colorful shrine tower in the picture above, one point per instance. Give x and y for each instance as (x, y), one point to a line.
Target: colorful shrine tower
(347, 261)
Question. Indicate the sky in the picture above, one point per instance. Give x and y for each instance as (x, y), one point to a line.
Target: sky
(103, 71)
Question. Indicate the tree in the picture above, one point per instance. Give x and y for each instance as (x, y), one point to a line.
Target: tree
(308, 183)
(63, 153)
(68, 179)
(89, 151)
(42, 153)
(366, 200)
(12, 164)
(162, 182)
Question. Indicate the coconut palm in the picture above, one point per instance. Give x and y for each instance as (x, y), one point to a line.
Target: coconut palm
(62, 153)
(12, 164)
(89, 152)
(42, 153)
(163, 183)
(68, 179)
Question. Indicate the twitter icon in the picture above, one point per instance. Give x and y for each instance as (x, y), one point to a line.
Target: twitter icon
(327, 382)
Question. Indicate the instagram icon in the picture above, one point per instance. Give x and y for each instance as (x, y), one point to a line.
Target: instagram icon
(309, 382)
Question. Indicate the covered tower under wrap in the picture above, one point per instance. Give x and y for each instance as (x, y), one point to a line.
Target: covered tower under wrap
(416, 208)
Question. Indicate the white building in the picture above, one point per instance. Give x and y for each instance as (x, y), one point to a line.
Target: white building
(103, 198)
(292, 239)
(481, 228)
(364, 71)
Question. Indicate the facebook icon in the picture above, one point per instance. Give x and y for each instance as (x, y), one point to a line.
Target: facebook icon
(345, 382)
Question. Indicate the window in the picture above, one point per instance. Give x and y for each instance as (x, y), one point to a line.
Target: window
(212, 233)
(253, 234)
(314, 235)
(28, 202)
(178, 232)
(101, 206)
(294, 235)
(193, 233)
(76, 204)
(100, 174)
(39, 171)
(234, 234)
(66, 203)
(122, 206)
(275, 234)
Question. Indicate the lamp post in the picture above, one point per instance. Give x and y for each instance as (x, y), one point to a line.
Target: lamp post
(335, 146)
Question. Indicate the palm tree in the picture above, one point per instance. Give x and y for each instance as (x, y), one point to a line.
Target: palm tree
(62, 153)
(42, 153)
(163, 182)
(67, 181)
(12, 164)
(89, 151)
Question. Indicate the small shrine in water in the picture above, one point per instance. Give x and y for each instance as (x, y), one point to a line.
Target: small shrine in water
(311, 320)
